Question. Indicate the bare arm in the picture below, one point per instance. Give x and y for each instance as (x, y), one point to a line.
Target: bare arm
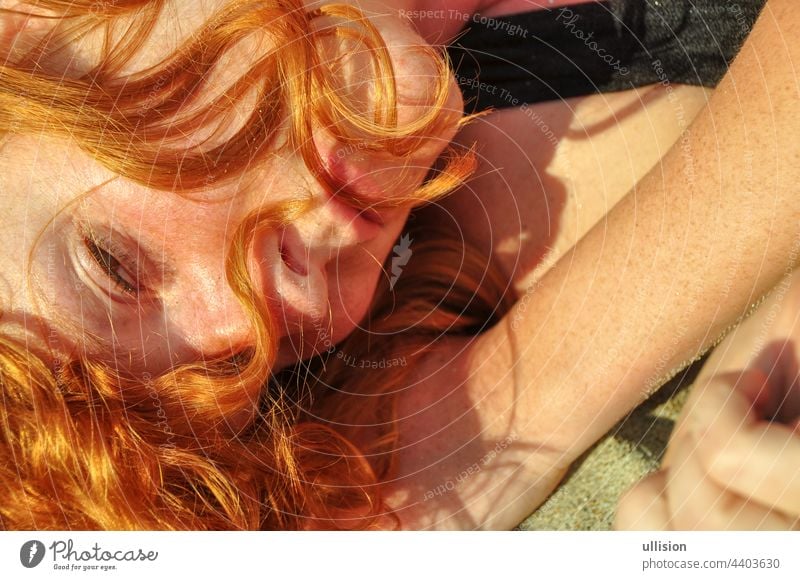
(703, 236)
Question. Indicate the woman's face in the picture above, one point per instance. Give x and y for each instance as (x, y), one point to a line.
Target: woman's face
(144, 270)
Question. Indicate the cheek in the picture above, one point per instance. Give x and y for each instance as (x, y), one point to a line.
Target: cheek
(354, 279)
(352, 288)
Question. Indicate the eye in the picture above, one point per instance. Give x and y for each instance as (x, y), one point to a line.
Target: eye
(112, 267)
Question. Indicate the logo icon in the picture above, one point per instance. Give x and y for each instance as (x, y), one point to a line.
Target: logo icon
(402, 254)
(31, 553)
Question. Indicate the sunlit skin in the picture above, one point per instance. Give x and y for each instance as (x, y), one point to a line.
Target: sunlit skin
(90, 267)
(538, 375)
(732, 458)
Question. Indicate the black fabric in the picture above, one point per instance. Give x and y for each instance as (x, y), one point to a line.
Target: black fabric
(598, 47)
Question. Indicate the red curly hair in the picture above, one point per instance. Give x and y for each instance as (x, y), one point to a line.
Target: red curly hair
(83, 446)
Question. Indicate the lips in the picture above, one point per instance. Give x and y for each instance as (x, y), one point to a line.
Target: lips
(351, 214)
(401, 178)
(348, 175)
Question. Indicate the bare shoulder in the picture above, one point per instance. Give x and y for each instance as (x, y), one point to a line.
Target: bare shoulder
(462, 460)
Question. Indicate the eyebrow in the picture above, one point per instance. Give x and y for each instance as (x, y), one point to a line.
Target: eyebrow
(151, 260)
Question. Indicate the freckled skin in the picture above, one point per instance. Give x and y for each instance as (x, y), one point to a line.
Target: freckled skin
(193, 312)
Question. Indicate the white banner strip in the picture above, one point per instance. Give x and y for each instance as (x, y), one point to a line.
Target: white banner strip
(401, 555)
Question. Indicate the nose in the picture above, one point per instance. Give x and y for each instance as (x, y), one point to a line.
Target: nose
(207, 317)
(287, 268)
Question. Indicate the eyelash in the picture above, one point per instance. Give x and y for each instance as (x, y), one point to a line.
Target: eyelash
(108, 263)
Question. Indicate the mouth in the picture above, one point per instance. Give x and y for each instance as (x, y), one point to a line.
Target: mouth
(352, 214)
(365, 223)
(350, 179)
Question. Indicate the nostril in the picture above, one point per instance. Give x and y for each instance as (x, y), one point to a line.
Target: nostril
(291, 262)
(787, 406)
(296, 281)
(292, 252)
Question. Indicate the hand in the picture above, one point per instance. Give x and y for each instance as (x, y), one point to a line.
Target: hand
(728, 466)
(733, 461)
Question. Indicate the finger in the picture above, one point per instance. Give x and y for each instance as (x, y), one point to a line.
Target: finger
(643, 507)
(755, 459)
(697, 502)
(780, 399)
(694, 500)
(752, 383)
